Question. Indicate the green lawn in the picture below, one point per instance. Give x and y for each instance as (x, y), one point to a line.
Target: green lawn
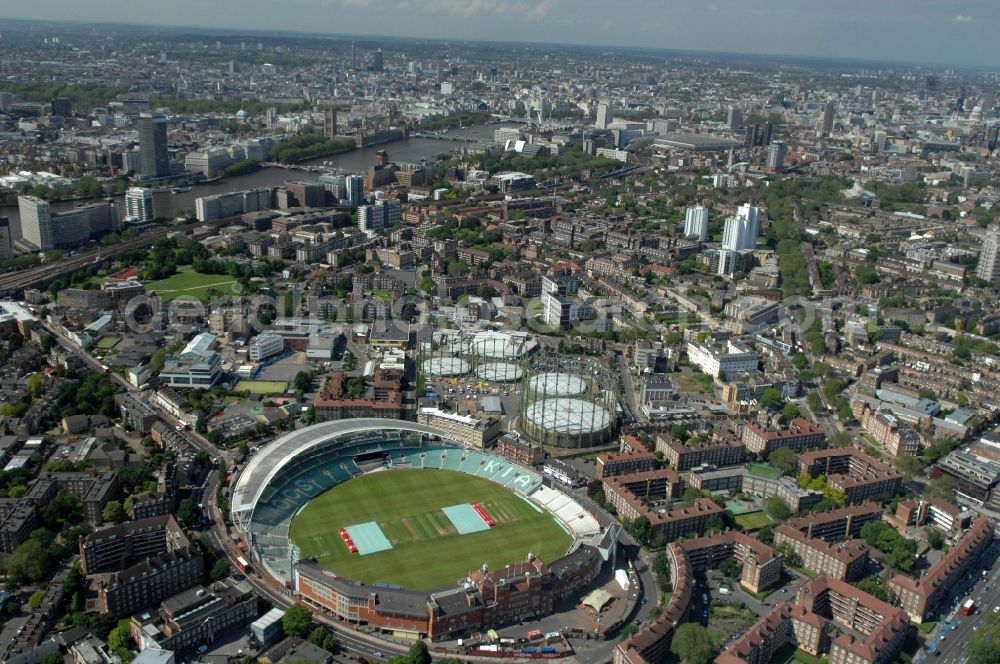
(753, 520)
(764, 470)
(427, 551)
(190, 284)
(263, 386)
(107, 343)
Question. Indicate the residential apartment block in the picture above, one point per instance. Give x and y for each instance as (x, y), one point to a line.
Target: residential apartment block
(841, 560)
(761, 565)
(919, 597)
(860, 476)
(682, 457)
(800, 435)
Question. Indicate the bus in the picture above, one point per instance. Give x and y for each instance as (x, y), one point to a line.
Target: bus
(242, 563)
(968, 608)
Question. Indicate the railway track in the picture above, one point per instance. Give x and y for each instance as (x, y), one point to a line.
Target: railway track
(41, 275)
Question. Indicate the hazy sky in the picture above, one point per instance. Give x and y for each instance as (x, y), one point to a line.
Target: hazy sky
(933, 31)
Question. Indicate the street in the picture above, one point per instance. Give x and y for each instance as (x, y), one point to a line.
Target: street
(954, 630)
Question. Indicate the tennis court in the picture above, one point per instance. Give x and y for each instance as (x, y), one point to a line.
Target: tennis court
(368, 537)
(465, 518)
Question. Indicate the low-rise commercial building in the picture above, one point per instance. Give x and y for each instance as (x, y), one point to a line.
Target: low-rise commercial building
(264, 346)
(933, 512)
(473, 431)
(733, 360)
(194, 617)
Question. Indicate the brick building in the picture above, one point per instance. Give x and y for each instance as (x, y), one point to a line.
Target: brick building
(681, 457)
(761, 565)
(800, 435)
(919, 597)
(382, 398)
(844, 560)
(860, 476)
(490, 598)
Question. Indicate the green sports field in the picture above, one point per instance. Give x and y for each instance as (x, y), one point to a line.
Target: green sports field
(427, 551)
(753, 520)
(189, 284)
(263, 386)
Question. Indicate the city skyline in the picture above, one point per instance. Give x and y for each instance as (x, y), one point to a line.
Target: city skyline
(957, 33)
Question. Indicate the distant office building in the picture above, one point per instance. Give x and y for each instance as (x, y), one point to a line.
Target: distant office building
(209, 162)
(605, 114)
(232, 203)
(383, 214)
(741, 231)
(696, 222)
(735, 118)
(827, 125)
(36, 221)
(6, 243)
(776, 154)
(989, 257)
(139, 206)
(63, 107)
(154, 162)
(758, 135)
(354, 186)
(330, 122)
(44, 229)
(378, 61)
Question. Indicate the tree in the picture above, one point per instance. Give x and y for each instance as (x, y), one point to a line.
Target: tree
(873, 587)
(934, 538)
(766, 534)
(731, 568)
(88, 187)
(120, 640)
(790, 411)
(35, 600)
(113, 511)
(302, 381)
(866, 274)
(53, 658)
(297, 621)
(942, 487)
(785, 459)
(220, 569)
(419, 653)
(187, 512)
(776, 508)
(908, 466)
(771, 399)
(692, 644)
(840, 439)
(63, 509)
(983, 646)
(690, 495)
